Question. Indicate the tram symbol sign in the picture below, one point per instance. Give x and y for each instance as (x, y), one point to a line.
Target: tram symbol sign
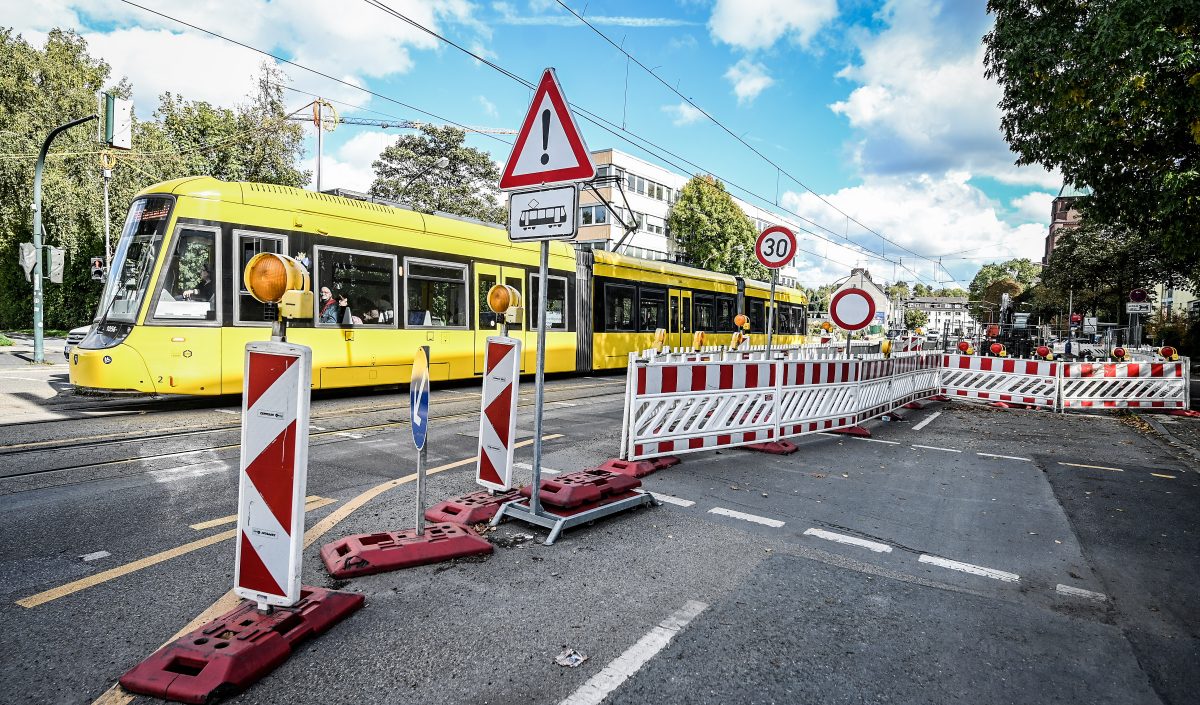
(852, 308)
(274, 473)
(549, 149)
(418, 396)
(543, 214)
(775, 247)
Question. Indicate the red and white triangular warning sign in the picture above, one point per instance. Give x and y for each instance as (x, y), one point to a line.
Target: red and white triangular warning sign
(549, 149)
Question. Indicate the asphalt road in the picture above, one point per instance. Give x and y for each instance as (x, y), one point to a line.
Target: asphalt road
(987, 556)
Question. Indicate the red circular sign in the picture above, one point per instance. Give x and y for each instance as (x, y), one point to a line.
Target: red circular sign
(775, 247)
(852, 309)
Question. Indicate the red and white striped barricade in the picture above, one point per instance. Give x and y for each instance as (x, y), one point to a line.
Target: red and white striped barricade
(1125, 385)
(817, 395)
(915, 376)
(688, 406)
(874, 388)
(1030, 382)
(498, 413)
(274, 473)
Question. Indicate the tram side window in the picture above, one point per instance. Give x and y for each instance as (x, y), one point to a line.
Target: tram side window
(758, 320)
(249, 309)
(652, 310)
(783, 322)
(487, 318)
(556, 303)
(726, 310)
(705, 313)
(618, 308)
(189, 284)
(437, 294)
(366, 283)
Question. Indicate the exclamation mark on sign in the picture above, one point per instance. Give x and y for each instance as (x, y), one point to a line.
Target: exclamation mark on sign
(545, 136)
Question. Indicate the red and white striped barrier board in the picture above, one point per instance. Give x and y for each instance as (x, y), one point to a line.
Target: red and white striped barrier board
(1125, 385)
(1031, 382)
(274, 470)
(914, 376)
(498, 415)
(817, 396)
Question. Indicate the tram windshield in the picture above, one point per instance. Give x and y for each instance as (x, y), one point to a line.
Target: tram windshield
(133, 262)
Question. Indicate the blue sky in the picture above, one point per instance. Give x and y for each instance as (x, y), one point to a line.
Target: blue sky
(878, 107)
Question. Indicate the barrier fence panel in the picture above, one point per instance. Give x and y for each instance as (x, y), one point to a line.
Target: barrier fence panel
(681, 407)
(817, 396)
(1125, 385)
(1031, 382)
(915, 376)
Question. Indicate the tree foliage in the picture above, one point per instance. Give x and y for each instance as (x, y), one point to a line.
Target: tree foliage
(713, 231)
(1109, 93)
(468, 185)
(914, 318)
(1021, 271)
(41, 88)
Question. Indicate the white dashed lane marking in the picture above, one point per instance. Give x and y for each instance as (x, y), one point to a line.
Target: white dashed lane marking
(876, 440)
(669, 499)
(970, 568)
(852, 540)
(948, 450)
(527, 466)
(1090, 467)
(1006, 457)
(95, 556)
(732, 513)
(929, 419)
(1080, 592)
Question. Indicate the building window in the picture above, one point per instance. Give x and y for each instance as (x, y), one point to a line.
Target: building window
(593, 215)
(556, 302)
(366, 282)
(435, 294)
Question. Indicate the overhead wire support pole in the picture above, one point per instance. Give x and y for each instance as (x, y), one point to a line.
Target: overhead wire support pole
(39, 343)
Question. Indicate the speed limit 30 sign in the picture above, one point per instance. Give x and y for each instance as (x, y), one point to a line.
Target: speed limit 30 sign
(775, 247)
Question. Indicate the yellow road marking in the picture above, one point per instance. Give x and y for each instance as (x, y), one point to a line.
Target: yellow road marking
(116, 695)
(1093, 467)
(1158, 474)
(311, 502)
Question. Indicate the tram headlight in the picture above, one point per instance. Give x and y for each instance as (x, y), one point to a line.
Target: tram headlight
(278, 279)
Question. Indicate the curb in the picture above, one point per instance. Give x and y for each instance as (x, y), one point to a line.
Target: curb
(1171, 438)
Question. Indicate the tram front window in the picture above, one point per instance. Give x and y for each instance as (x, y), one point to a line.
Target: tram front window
(132, 263)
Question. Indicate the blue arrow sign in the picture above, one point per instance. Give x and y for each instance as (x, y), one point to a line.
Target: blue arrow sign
(418, 396)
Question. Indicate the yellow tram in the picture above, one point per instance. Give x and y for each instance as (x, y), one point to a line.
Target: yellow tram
(175, 317)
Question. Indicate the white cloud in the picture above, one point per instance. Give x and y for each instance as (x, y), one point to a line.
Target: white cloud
(349, 166)
(1034, 206)
(489, 108)
(748, 79)
(922, 104)
(758, 24)
(932, 215)
(682, 114)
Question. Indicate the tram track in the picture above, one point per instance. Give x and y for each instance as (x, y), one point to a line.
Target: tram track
(17, 456)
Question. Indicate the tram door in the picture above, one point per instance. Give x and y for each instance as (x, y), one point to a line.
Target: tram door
(679, 334)
(487, 276)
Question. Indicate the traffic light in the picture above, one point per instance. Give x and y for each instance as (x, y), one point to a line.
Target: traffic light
(98, 268)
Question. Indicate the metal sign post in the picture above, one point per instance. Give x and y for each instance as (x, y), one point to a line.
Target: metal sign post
(418, 405)
(775, 248)
(539, 394)
(771, 313)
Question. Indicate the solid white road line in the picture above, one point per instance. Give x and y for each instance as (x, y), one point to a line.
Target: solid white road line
(1080, 592)
(188, 471)
(876, 440)
(1006, 457)
(970, 568)
(927, 420)
(355, 436)
(228, 411)
(1093, 467)
(89, 557)
(948, 450)
(669, 499)
(527, 466)
(852, 540)
(773, 523)
(597, 688)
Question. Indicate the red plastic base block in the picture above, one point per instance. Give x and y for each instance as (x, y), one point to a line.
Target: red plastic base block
(365, 554)
(564, 512)
(638, 468)
(583, 487)
(1191, 413)
(853, 431)
(914, 405)
(474, 508)
(999, 404)
(235, 650)
(895, 416)
(939, 397)
(773, 447)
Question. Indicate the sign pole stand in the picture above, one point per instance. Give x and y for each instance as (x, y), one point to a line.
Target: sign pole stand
(771, 314)
(535, 504)
(421, 456)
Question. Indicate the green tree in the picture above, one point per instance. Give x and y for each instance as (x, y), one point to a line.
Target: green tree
(713, 231)
(1022, 271)
(899, 290)
(1109, 93)
(922, 290)
(914, 318)
(468, 185)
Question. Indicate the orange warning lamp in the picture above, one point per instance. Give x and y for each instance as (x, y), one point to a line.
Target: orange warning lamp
(997, 349)
(826, 326)
(1169, 352)
(963, 346)
(885, 347)
(698, 340)
(741, 321)
(278, 279)
(970, 351)
(738, 338)
(660, 339)
(1119, 353)
(1043, 351)
(506, 301)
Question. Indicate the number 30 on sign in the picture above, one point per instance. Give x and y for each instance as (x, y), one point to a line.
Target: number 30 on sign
(776, 246)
